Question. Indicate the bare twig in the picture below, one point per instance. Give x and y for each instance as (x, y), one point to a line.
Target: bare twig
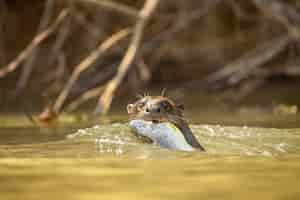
(29, 63)
(292, 70)
(144, 72)
(240, 13)
(287, 70)
(82, 20)
(61, 38)
(12, 66)
(99, 79)
(283, 13)
(86, 63)
(179, 26)
(57, 56)
(247, 88)
(3, 15)
(107, 96)
(243, 66)
(121, 8)
(90, 94)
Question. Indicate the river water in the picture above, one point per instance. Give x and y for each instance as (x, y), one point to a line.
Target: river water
(251, 154)
(106, 161)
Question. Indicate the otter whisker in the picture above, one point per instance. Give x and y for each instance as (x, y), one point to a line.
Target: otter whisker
(145, 94)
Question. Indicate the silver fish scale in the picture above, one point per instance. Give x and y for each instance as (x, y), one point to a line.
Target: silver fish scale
(164, 134)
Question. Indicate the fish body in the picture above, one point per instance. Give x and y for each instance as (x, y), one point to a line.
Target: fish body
(164, 134)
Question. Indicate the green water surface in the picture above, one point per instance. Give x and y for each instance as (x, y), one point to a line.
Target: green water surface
(106, 161)
(251, 154)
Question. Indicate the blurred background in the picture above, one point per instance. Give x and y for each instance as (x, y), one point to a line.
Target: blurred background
(234, 64)
(229, 56)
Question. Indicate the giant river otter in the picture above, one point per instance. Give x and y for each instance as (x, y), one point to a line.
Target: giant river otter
(159, 109)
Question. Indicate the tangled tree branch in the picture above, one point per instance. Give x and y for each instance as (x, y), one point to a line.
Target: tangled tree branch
(190, 38)
(119, 7)
(29, 63)
(241, 68)
(283, 13)
(127, 61)
(12, 66)
(86, 63)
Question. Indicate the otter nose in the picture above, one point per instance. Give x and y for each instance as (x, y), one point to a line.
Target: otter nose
(153, 109)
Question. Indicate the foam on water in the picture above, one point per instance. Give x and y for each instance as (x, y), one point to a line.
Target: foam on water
(218, 140)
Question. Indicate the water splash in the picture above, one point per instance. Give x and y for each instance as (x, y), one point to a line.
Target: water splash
(218, 140)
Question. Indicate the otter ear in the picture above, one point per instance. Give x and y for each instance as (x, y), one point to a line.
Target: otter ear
(129, 108)
(180, 106)
(139, 96)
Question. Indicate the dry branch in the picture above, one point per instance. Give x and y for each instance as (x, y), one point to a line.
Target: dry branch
(179, 25)
(282, 13)
(121, 8)
(12, 66)
(90, 94)
(3, 15)
(242, 67)
(107, 96)
(29, 63)
(86, 63)
(144, 71)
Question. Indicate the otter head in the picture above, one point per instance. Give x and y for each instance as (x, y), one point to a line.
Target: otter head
(154, 108)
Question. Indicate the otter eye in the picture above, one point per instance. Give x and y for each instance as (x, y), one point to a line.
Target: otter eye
(141, 104)
(166, 106)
